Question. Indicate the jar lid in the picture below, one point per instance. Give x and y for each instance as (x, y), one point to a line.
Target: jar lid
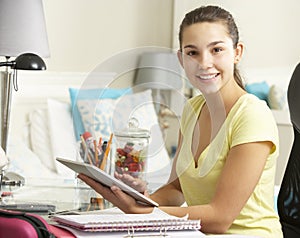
(133, 130)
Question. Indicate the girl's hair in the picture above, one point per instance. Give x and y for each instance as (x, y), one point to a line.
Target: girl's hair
(213, 14)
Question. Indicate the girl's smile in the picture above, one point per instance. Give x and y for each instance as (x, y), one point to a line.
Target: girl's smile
(207, 77)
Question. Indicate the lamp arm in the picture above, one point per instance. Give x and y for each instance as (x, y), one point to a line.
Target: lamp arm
(7, 63)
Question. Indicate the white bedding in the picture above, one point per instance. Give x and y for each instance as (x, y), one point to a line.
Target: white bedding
(47, 133)
(25, 162)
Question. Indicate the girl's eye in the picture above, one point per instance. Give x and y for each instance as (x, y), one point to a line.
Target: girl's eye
(217, 50)
(191, 53)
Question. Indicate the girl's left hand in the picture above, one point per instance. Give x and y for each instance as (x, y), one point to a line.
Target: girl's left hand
(116, 196)
(136, 183)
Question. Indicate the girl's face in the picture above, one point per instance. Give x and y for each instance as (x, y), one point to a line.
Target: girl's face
(208, 56)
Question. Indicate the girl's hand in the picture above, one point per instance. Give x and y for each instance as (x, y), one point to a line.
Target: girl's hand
(117, 197)
(136, 183)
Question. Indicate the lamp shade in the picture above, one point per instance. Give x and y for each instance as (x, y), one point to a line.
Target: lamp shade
(22, 28)
(159, 70)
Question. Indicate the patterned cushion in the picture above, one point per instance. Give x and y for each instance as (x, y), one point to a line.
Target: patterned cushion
(105, 116)
(90, 94)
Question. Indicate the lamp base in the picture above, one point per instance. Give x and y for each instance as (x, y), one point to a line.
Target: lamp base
(6, 94)
(6, 178)
(12, 179)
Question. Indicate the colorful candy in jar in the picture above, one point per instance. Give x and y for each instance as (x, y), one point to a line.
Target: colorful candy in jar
(129, 160)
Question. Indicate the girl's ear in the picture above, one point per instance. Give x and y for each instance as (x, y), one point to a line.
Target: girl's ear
(239, 52)
(179, 56)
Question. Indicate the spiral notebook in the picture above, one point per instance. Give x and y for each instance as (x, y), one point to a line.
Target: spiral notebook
(155, 221)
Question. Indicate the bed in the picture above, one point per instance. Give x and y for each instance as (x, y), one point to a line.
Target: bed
(43, 124)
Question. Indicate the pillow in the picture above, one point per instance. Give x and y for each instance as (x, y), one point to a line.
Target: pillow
(260, 90)
(39, 137)
(52, 135)
(277, 98)
(104, 116)
(88, 94)
(26, 163)
(61, 131)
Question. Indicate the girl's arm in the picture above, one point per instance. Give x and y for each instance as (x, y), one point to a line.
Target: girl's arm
(242, 171)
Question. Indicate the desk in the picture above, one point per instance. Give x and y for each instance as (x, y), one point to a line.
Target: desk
(69, 195)
(65, 194)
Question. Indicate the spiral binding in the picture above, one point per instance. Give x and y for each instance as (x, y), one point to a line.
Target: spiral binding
(131, 233)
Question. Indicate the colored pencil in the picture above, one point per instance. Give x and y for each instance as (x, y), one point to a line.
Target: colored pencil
(103, 164)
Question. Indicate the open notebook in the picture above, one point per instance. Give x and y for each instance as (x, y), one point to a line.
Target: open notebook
(155, 221)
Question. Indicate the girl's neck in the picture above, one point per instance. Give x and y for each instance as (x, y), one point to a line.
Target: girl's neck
(218, 106)
(224, 99)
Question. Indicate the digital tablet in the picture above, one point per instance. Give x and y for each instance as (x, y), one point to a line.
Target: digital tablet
(105, 179)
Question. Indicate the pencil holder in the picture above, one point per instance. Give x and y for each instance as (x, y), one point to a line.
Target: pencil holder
(131, 150)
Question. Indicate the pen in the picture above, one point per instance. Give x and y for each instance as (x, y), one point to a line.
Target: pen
(103, 164)
(104, 145)
(85, 150)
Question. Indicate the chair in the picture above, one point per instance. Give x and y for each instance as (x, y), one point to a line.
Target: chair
(288, 202)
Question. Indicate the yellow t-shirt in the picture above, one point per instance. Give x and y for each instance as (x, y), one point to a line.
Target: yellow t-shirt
(249, 120)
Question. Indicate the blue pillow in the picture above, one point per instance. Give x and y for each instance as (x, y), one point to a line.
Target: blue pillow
(260, 90)
(97, 93)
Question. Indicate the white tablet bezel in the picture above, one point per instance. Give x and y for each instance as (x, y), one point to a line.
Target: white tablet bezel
(105, 179)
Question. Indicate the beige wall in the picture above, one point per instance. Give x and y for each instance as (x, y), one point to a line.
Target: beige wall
(83, 33)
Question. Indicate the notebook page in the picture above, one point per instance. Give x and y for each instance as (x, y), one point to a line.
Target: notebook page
(121, 222)
(92, 219)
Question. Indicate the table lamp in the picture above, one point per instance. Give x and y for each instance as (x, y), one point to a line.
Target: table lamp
(161, 72)
(23, 36)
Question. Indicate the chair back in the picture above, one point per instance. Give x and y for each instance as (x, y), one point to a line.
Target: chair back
(289, 194)
(294, 98)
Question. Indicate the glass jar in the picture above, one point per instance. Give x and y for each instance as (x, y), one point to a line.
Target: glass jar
(132, 150)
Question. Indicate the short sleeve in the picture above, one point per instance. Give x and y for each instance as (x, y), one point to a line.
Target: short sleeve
(254, 122)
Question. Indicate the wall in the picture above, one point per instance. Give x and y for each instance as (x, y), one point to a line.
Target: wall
(83, 33)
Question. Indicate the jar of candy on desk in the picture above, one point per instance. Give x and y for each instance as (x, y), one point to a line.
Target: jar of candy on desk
(132, 150)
